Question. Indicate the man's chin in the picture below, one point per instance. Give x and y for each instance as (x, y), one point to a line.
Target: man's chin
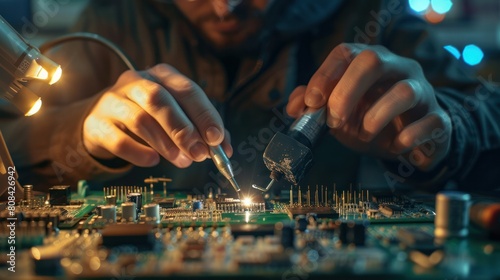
(233, 47)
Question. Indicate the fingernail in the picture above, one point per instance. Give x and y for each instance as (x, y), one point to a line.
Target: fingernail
(364, 136)
(184, 161)
(213, 135)
(198, 151)
(314, 98)
(333, 121)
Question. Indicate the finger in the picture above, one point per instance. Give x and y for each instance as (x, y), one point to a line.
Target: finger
(296, 105)
(397, 100)
(327, 76)
(105, 134)
(433, 127)
(226, 144)
(193, 101)
(140, 123)
(162, 106)
(372, 64)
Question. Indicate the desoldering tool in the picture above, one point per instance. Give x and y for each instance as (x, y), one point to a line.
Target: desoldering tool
(224, 165)
(290, 155)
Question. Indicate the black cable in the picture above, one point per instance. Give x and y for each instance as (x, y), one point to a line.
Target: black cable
(85, 36)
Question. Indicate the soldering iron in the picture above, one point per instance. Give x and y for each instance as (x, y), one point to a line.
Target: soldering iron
(290, 155)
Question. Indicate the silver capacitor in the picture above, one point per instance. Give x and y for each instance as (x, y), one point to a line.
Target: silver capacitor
(152, 211)
(109, 213)
(452, 214)
(129, 212)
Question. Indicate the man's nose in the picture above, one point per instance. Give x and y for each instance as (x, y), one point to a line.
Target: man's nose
(224, 7)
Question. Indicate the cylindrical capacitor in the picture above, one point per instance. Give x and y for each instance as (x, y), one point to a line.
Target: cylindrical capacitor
(137, 199)
(286, 232)
(197, 205)
(109, 213)
(301, 223)
(129, 212)
(152, 211)
(28, 194)
(98, 210)
(452, 214)
(111, 199)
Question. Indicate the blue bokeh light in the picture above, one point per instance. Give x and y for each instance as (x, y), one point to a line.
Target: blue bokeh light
(441, 6)
(453, 50)
(472, 54)
(419, 5)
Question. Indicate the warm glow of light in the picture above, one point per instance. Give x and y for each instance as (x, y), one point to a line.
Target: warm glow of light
(36, 253)
(247, 201)
(247, 216)
(35, 108)
(56, 76)
(42, 74)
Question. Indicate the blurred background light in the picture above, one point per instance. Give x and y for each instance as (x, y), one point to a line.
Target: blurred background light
(472, 54)
(454, 51)
(441, 6)
(419, 5)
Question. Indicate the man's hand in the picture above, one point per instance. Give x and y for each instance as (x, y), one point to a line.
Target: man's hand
(378, 103)
(153, 113)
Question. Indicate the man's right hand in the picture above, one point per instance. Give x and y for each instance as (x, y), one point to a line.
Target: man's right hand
(153, 113)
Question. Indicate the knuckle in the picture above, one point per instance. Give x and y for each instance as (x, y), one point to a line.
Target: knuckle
(345, 51)
(119, 144)
(183, 135)
(371, 58)
(139, 118)
(127, 76)
(406, 140)
(406, 91)
(155, 95)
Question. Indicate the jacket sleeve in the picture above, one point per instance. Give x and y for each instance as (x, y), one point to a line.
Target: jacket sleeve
(47, 148)
(472, 102)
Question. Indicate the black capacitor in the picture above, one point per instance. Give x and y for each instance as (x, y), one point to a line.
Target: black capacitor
(286, 232)
(312, 219)
(352, 233)
(137, 199)
(301, 223)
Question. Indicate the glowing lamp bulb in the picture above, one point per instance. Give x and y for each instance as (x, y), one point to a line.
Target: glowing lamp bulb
(56, 76)
(35, 108)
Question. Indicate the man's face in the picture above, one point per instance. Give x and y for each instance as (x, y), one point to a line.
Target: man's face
(226, 24)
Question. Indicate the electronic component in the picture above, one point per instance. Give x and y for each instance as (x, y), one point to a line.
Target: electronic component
(197, 205)
(285, 231)
(152, 212)
(110, 199)
(137, 199)
(452, 214)
(139, 236)
(60, 195)
(351, 232)
(389, 210)
(109, 213)
(129, 211)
